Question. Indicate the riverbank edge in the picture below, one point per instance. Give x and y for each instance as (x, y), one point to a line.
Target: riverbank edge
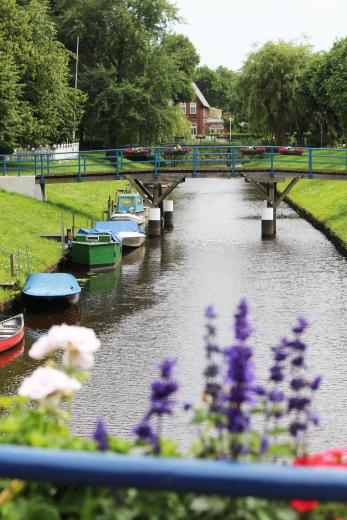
(340, 244)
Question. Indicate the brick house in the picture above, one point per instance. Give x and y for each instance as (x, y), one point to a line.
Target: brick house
(202, 117)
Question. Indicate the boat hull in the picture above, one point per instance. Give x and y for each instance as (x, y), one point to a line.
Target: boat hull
(51, 301)
(132, 239)
(11, 332)
(96, 255)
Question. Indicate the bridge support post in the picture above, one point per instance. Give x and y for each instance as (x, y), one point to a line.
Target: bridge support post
(268, 230)
(43, 192)
(272, 191)
(154, 222)
(168, 213)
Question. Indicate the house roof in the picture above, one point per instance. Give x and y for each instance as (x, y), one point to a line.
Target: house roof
(200, 95)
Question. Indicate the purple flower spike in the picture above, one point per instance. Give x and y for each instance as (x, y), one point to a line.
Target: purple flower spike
(145, 432)
(166, 367)
(315, 384)
(187, 407)
(243, 328)
(300, 327)
(100, 435)
(210, 313)
(264, 445)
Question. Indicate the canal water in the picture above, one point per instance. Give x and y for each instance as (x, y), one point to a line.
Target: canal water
(153, 308)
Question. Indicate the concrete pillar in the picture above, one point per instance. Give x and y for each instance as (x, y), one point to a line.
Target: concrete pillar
(168, 213)
(267, 224)
(272, 191)
(154, 222)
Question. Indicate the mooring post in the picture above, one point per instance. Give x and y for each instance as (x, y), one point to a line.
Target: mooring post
(271, 191)
(168, 213)
(12, 265)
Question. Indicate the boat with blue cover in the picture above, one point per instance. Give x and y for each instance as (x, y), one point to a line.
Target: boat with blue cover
(51, 288)
(130, 232)
(96, 249)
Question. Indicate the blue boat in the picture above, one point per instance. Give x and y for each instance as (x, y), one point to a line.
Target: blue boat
(131, 234)
(51, 288)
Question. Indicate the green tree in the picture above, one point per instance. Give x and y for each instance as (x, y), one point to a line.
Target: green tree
(41, 66)
(130, 68)
(219, 87)
(269, 87)
(326, 84)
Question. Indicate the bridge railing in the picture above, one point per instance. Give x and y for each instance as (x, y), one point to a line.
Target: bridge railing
(180, 475)
(191, 158)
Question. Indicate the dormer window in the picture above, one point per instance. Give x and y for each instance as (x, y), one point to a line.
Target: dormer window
(192, 108)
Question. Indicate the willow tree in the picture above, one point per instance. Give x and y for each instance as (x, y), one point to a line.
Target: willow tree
(269, 86)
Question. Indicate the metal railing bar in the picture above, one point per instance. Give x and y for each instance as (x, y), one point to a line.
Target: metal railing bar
(181, 475)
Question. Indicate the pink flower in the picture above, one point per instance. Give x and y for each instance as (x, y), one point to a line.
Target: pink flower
(47, 382)
(79, 344)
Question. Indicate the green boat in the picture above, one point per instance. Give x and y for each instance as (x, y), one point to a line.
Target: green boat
(96, 249)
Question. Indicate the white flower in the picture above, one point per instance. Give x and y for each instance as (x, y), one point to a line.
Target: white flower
(79, 344)
(47, 382)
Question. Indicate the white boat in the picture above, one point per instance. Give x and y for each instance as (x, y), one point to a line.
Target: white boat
(132, 238)
(131, 234)
(139, 219)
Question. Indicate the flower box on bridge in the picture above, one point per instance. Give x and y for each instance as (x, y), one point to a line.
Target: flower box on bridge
(175, 151)
(252, 150)
(138, 154)
(290, 150)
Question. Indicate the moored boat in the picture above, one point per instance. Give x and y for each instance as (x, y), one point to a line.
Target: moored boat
(130, 203)
(51, 288)
(140, 220)
(96, 249)
(130, 232)
(11, 331)
(11, 354)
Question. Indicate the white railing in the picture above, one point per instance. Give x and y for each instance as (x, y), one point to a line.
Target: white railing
(55, 152)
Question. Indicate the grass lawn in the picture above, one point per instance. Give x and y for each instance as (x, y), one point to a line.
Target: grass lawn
(325, 200)
(24, 219)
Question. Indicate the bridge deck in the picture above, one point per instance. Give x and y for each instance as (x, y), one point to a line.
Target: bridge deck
(173, 174)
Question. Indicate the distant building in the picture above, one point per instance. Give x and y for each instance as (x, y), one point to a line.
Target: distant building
(203, 119)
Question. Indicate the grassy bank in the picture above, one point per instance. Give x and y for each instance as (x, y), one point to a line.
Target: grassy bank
(326, 201)
(24, 219)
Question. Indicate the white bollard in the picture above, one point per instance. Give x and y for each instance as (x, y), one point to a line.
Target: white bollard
(168, 213)
(154, 222)
(267, 223)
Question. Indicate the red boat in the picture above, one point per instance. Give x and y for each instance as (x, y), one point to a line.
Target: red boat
(11, 331)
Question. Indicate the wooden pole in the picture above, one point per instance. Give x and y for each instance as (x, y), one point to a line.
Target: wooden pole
(73, 225)
(62, 227)
(18, 264)
(116, 201)
(28, 261)
(12, 265)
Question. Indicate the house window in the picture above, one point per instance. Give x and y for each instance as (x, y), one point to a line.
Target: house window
(192, 108)
(194, 128)
(183, 107)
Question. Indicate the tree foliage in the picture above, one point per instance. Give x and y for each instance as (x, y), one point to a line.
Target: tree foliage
(269, 86)
(219, 87)
(41, 106)
(129, 66)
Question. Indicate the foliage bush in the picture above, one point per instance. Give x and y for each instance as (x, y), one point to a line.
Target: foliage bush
(233, 397)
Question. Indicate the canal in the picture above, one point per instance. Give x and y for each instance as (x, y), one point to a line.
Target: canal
(153, 307)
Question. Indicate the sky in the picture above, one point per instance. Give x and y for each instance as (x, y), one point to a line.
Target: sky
(225, 31)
